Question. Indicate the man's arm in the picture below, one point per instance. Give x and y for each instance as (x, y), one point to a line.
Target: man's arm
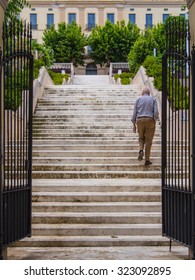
(134, 116)
(134, 113)
(155, 110)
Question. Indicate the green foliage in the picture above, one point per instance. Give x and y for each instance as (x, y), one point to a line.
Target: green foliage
(38, 63)
(58, 77)
(45, 57)
(14, 88)
(67, 43)
(143, 47)
(125, 78)
(112, 42)
(44, 53)
(177, 94)
(153, 67)
(14, 7)
(159, 37)
(125, 81)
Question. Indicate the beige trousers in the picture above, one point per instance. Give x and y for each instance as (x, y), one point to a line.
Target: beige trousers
(146, 128)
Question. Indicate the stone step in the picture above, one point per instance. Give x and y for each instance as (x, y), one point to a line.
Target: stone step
(100, 230)
(76, 130)
(61, 125)
(91, 160)
(96, 185)
(91, 141)
(96, 196)
(93, 241)
(89, 113)
(100, 137)
(92, 167)
(96, 207)
(96, 175)
(95, 131)
(91, 153)
(96, 218)
(88, 146)
(81, 103)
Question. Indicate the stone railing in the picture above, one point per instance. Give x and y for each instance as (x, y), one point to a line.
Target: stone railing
(39, 84)
(142, 79)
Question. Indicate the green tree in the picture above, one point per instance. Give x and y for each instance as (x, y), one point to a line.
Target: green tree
(112, 42)
(143, 47)
(14, 7)
(45, 54)
(67, 43)
(159, 37)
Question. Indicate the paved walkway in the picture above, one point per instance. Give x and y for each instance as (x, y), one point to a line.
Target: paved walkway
(97, 253)
(91, 80)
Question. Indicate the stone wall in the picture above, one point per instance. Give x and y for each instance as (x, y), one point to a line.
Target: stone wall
(191, 7)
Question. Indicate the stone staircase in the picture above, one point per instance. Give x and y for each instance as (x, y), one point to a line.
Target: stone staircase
(89, 189)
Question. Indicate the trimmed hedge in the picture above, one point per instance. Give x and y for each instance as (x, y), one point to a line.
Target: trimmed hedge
(125, 77)
(58, 77)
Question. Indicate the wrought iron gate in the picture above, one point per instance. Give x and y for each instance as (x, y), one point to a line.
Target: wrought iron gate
(16, 72)
(177, 190)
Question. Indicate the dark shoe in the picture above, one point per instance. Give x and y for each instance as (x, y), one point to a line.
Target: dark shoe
(141, 154)
(147, 163)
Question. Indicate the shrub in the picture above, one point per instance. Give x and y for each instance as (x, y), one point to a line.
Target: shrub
(153, 67)
(125, 81)
(125, 77)
(38, 63)
(57, 77)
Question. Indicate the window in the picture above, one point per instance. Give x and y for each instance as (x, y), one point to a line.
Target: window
(164, 17)
(71, 18)
(149, 9)
(149, 19)
(132, 9)
(132, 18)
(166, 9)
(91, 21)
(50, 20)
(89, 49)
(33, 21)
(110, 17)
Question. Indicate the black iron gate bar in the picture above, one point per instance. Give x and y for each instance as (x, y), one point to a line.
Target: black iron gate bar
(16, 145)
(176, 183)
(193, 152)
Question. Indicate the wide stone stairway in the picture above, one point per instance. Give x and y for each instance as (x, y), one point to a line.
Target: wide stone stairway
(89, 189)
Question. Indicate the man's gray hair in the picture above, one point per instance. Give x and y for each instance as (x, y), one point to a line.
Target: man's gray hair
(146, 91)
